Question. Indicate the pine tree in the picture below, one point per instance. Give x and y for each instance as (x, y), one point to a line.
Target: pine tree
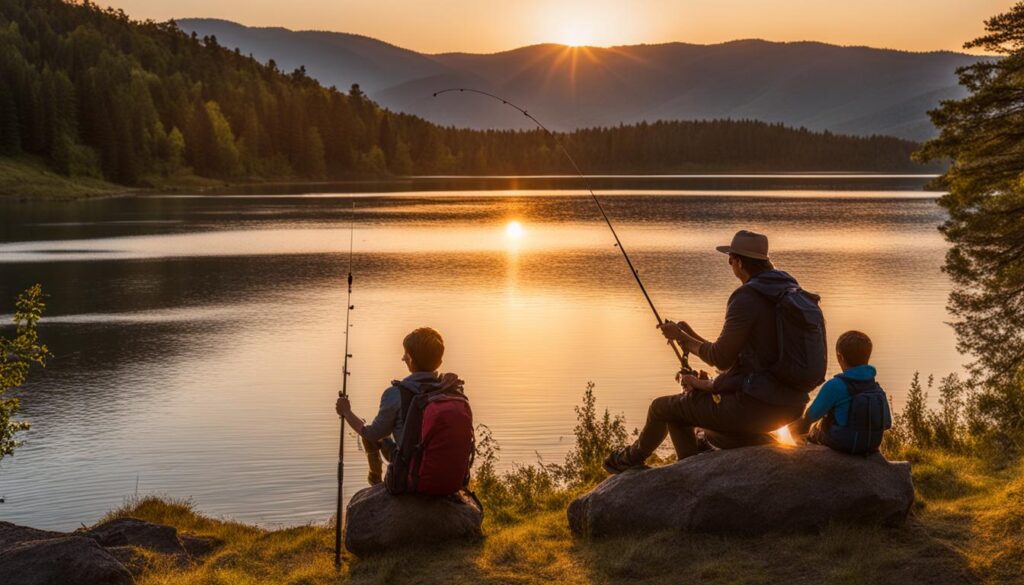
(10, 134)
(983, 135)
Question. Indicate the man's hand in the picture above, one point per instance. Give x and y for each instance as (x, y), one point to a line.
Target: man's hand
(671, 331)
(687, 329)
(691, 382)
(682, 333)
(342, 406)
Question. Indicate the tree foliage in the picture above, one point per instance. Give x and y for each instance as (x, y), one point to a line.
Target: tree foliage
(94, 92)
(983, 136)
(17, 354)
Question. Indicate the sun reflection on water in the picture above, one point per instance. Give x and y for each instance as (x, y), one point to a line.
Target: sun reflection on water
(514, 230)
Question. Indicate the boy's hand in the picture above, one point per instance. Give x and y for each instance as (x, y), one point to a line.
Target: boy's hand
(342, 406)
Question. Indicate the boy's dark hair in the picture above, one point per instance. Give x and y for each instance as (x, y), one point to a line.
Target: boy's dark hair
(425, 347)
(855, 347)
(754, 265)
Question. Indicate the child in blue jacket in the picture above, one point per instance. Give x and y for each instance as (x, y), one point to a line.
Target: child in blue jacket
(851, 411)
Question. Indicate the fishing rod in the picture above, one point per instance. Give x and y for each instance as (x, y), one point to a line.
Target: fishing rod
(344, 394)
(681, 354)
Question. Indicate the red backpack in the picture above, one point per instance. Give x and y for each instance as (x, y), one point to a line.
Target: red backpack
(438, 440)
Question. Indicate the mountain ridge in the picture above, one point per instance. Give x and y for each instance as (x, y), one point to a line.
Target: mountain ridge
(856, 90)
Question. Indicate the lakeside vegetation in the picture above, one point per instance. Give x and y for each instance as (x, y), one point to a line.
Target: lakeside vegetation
(100, 97)
(965, 527)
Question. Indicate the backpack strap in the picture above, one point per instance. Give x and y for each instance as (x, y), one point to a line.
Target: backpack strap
(408, 392)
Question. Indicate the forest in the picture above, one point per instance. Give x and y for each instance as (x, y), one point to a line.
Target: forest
(94, 93)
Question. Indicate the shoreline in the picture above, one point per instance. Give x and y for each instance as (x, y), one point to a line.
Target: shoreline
(25, 180)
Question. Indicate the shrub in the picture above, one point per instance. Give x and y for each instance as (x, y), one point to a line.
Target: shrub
(957, 426)
(527, 489)
(17, 354)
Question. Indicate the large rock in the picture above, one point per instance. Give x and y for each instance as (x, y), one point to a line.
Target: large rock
(106, 553)
(376, 521)
(11, 534)
(753, 490)
(66, 560)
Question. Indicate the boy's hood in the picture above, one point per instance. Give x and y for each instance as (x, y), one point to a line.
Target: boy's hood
(417, 380)
(865, 372)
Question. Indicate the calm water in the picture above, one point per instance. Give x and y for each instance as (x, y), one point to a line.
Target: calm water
(198, 339)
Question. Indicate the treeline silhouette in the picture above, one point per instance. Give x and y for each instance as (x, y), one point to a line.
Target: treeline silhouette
(96, 93)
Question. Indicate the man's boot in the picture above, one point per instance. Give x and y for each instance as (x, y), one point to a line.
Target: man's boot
(624, 459)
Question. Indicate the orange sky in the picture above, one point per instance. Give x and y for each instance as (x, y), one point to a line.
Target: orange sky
(483, 26)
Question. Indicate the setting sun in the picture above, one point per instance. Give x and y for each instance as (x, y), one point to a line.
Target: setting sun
(514, 230)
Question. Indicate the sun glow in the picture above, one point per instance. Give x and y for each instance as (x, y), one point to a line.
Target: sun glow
(576, 35)
(514, 230)
(784, 437)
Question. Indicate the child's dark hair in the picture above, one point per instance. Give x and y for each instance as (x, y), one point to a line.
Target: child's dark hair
(425, 347)
(855, 347)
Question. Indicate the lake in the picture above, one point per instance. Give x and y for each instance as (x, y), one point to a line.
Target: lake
(198, 339)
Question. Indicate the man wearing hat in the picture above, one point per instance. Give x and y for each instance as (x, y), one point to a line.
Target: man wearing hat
(746, 402)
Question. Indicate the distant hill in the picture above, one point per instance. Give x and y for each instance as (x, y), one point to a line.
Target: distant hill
(852, 90)
(95, 95)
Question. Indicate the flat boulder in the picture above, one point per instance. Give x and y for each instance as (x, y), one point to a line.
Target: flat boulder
(66, 560)
(376, 521)
(752, 490)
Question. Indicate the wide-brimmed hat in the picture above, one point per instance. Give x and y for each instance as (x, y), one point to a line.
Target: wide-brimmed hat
(748, 244)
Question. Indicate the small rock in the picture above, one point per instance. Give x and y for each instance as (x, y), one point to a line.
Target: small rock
(200, 546)
(67, 560)
(752, 490)
(376, 521)
(129, 531)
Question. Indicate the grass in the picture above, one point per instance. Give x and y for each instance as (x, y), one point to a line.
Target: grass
(967, 526)
(27, 178)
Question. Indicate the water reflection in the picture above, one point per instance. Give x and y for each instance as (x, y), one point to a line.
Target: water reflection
(198, 341)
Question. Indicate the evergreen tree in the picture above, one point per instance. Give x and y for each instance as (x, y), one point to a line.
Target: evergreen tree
(228, 162)
(983, 135)
(175, 150)
(200, 142)
(313, 164)
(10, 134)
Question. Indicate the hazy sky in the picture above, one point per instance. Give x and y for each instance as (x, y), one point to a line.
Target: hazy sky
(488, 26)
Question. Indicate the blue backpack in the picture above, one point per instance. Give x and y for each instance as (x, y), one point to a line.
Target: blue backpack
(869, 419)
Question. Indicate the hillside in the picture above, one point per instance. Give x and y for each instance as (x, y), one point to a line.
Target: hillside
(850, 90)
(98, 96)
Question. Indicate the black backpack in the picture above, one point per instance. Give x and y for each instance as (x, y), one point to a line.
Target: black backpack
(800, 326)
(869, 419)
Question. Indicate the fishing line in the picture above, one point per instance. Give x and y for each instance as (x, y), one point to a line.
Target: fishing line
(681, 354)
